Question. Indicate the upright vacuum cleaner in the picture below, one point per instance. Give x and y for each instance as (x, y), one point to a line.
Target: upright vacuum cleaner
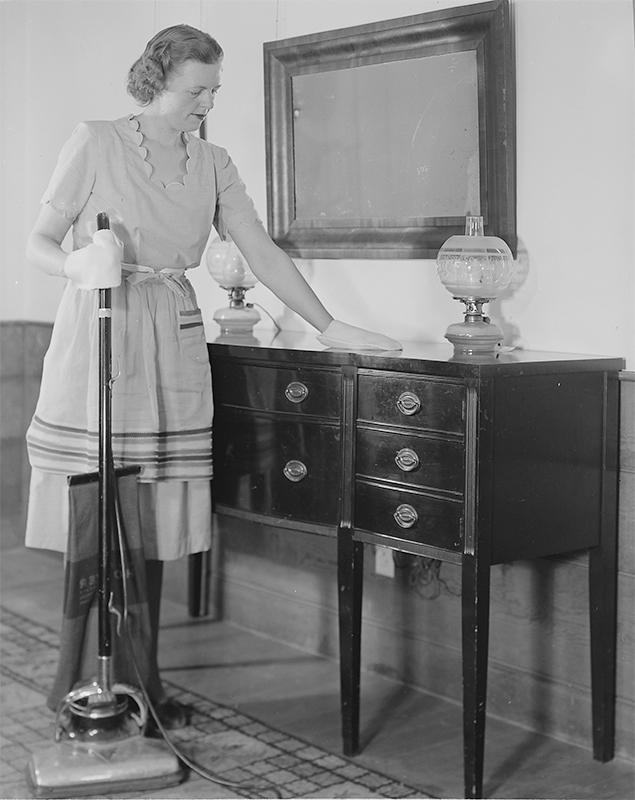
(100, 743)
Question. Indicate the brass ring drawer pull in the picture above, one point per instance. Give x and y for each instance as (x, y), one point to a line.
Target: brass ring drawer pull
(408, 403)
(295, 471)
(296, 392)
(406, 459)
(405, 516)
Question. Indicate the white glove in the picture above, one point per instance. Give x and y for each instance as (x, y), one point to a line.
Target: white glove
(98, 265)
(348, 337)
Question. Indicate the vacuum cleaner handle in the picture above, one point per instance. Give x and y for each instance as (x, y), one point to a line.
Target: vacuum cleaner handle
(106, 471)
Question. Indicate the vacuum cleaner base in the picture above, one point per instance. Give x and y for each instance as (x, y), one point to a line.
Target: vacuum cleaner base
(73, 769)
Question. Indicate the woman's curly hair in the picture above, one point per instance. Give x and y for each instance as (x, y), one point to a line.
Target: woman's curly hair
(166, 51)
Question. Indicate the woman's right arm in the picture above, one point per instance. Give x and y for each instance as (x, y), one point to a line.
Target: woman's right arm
(44, 245)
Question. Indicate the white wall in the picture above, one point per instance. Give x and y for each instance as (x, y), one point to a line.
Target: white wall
(66, 60)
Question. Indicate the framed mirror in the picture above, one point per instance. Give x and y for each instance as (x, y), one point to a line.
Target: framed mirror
(382, 138)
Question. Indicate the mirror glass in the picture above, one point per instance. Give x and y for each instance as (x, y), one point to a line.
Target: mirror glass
(365, 151)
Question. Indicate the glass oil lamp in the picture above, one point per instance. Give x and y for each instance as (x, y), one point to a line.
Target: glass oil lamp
(475, 269)
(226, 265)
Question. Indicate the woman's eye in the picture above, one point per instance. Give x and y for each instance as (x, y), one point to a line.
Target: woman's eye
(199, 92)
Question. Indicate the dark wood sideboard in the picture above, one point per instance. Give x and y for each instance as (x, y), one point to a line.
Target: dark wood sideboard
(473, 462)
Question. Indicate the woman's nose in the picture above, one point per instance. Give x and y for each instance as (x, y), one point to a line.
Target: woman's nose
(208, 98)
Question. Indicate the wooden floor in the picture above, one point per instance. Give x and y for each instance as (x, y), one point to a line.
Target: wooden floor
(406, 734)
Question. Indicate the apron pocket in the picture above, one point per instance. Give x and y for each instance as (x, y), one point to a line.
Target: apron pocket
(193, 345)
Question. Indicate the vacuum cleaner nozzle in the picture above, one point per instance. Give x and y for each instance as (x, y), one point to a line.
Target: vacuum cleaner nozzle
(77, 769)
(100, 745)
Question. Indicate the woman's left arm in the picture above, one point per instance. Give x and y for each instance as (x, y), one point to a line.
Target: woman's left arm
(276, 270)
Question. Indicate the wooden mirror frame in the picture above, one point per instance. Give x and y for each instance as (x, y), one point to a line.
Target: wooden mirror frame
(484, 28)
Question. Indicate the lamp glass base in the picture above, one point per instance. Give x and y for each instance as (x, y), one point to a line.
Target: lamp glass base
(237, 320)
(474, 337)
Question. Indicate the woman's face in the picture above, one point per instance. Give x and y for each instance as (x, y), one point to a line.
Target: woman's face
(189, 94)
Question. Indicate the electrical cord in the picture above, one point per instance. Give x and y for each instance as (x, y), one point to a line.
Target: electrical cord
(424, 575)
(277, 327)
(255, 789)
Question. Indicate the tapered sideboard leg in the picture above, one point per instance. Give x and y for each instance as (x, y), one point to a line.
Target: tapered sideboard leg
(350, 561)
(603, 618)
(198, 584)
(475, 629)
(603, 586)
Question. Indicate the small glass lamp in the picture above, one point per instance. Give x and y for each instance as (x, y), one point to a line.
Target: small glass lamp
(229, 269)
(475, 269)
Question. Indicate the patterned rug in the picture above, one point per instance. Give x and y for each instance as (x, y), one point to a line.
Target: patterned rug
(236, 748)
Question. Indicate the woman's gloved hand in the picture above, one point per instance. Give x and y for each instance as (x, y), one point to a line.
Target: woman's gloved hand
(98, 265)
(347, 337)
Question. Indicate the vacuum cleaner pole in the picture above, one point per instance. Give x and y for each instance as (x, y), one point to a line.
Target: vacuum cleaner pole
(106, 481)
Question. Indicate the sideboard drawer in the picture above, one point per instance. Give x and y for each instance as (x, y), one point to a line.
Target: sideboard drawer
(409, 515)
(419, 461)
(267, 465)
(299, 390)
(397, 399)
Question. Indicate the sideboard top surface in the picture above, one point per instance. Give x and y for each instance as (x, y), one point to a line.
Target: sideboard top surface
(294, 347)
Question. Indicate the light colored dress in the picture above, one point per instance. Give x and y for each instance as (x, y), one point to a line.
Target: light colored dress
(162, 394)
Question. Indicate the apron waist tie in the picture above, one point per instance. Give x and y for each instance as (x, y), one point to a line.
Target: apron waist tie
(172, 278)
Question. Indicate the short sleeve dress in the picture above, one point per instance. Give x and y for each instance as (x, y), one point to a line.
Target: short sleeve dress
(161, 395)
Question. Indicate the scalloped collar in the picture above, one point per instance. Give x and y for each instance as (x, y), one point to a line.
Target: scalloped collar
(135, 128)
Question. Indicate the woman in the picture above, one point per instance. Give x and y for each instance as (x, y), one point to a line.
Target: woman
(162, 188)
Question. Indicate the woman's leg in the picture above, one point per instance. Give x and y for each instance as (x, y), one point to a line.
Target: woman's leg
(171, 713)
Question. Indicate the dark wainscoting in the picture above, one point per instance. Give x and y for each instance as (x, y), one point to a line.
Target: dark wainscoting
(22, 349)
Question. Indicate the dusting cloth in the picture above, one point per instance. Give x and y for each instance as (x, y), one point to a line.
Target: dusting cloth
(343, 336)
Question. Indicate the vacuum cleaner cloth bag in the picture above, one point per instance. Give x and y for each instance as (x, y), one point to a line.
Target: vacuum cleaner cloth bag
(78, 646)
